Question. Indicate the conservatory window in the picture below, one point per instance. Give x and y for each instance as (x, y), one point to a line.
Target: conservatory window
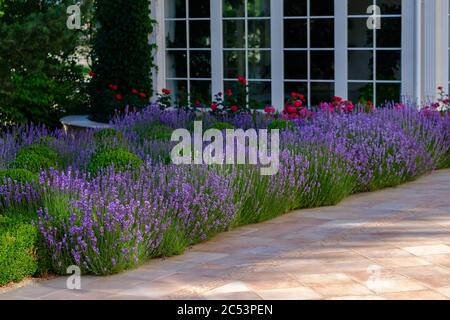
(247, 46)
(374, 55)
(188, 49)
(309, 49)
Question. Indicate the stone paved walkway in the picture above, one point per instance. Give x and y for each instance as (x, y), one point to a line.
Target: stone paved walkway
(392, 244)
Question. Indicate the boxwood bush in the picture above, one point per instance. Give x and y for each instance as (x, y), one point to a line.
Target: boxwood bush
(35, 158)
(19, 175)
(222, 126)
(18, 248)
(119, 158)
(281, 125)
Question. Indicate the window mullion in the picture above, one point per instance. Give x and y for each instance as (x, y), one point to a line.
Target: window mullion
(217, 72)
(341, 48)
(277, 57)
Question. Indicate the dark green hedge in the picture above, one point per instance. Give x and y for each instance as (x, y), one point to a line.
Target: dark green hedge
(122, 56)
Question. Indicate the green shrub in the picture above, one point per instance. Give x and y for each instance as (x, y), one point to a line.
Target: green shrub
(47, 141)
(153, 131)
(19, 175)
(107, 139)
(18, 250)
(35, 158)
(281, 125)
(119, 158)
(222, 126)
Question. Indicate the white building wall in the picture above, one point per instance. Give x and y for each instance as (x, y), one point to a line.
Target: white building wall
(425, 55)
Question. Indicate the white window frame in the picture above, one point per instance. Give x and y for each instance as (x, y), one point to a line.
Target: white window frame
(409, 73)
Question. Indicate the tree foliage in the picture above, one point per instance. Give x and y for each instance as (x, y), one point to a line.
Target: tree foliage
(40, 73)
(121, 57)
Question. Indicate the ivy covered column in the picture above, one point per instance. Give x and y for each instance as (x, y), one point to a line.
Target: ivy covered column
(122, 57)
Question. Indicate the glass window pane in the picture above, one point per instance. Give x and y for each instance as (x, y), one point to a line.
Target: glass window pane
(322, 33)
(322, 8)
(176, 62)
(295, 8)
(389, 65)
(296, 65)
(322, 65)
(259, 33)
(390, 34)
(199, 8)
(388, 92)
(360, 92)
(176, 34)
(359, 7)
(295, 33)
(200, 34)
(234, 34)
(359, 36)
(175, 9)
(234, 8)
(259, 8)
(259, 64)
(261, 92)
(298, 87)
(201, 90)
(321, 92)
(390, 6)
(234, 64)
(360, 65)
(200, 64)
(179, 91)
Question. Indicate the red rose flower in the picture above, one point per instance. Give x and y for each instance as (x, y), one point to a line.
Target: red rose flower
(337, 99)
(234, 109)
(440, 88)
(291, 109)
(301, 97)
(134, 91)
(298, 103)
(92, 74)
(294, 95)
(142, 95)
(198, 102)
(113, 87)
(269, 109)
(242, 80)
(118, 97)
(214, 107)
(166, 91)
(229, 92)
